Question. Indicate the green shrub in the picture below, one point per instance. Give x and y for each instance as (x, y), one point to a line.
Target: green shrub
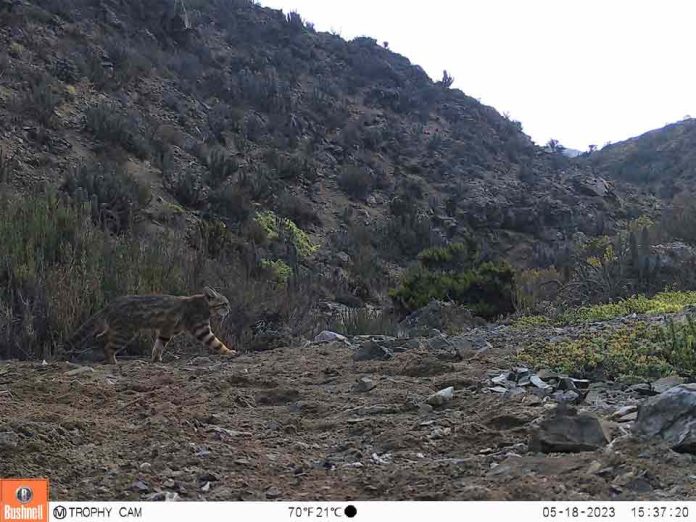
(278, 270)
(283, 229)
(452, 273)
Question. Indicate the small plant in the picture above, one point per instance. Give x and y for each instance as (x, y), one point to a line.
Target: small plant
(231, 202)
(633, 352)
(6, 166)
(221, 166)
(278, 269)
(186, 187)
(40, 101)
(278, 228)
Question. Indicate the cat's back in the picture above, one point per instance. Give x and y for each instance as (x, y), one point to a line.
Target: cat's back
(146, 310)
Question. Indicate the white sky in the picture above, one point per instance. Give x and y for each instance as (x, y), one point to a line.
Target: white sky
(580, 71)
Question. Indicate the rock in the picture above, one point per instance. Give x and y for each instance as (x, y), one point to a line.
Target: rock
(566, 383)
(439, 342)
(140, 486)
(567, 431)
(441, 397)
(272, 493)
(621, 412)
(502, 378)
(664, 384)
(570, 396)
(514, 393)
(673, 255)
(80, 371)
(439, 315)
(545, 373)
(364, 384)
(372, 351)
(343, 258)
(8, 440)
(641, 389)
(539, 383)
(629, 417)
(670, 416)
(594, 186)
(327, 336)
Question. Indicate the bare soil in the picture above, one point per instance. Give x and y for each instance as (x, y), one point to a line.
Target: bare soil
(287, 424)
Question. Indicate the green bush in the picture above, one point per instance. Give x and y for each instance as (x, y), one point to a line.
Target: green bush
(452, 273)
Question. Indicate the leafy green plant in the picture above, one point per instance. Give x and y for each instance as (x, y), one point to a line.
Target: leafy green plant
(453, 273)
(277, 228)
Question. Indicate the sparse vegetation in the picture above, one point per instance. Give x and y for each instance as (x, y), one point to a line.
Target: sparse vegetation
(110, 124)
(633, 352)
(365, 321)
(356, 182)
(57, 268)
(114, 195)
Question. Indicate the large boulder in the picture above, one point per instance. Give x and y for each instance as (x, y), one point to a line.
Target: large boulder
(442, 316)
(566, 431)
(670, 416)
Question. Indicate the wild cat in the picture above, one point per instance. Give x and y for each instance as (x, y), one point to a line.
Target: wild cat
(118, 323)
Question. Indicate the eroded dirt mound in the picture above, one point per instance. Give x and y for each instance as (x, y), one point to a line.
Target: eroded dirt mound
(292, 424)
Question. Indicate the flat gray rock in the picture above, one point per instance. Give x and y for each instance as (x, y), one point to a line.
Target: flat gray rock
(670, 416)
(566, 431)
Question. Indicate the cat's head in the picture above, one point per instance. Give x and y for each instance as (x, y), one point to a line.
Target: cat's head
(217, 302)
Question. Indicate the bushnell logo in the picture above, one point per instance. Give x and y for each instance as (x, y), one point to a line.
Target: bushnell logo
(24, 494)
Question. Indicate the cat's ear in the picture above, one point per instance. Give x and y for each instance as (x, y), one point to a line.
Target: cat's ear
(210, 292)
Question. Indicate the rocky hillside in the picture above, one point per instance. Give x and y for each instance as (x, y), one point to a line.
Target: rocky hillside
(222, 107)
(662, 160)
(172, 144)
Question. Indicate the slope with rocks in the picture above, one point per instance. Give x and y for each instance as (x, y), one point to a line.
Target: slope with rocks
(222, 108)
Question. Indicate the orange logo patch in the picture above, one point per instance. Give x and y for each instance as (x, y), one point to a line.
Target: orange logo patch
(24, 500)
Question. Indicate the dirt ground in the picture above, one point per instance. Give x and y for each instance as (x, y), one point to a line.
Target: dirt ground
(287, 424)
